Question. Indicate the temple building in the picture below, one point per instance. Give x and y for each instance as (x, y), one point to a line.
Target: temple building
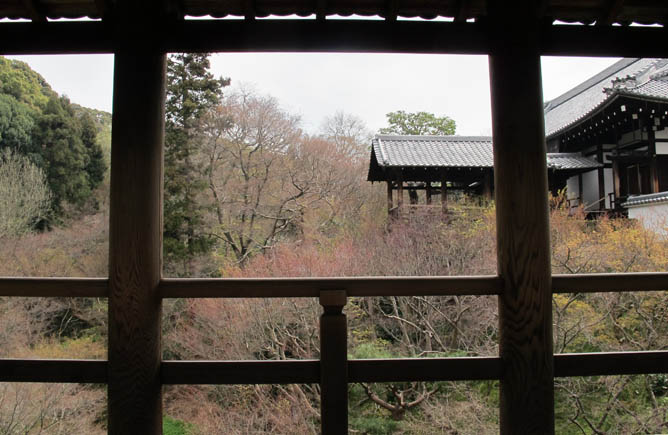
(607, 143)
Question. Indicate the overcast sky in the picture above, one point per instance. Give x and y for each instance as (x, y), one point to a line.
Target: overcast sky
(317, 85)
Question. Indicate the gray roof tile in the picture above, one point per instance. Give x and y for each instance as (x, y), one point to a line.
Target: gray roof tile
(634, 77)
(652, 198)
(456, 151)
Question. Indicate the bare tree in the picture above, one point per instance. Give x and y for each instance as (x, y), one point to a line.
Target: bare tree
(25, 197)
(348, 133)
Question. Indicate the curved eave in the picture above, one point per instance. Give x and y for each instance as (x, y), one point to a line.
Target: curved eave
(602, 106)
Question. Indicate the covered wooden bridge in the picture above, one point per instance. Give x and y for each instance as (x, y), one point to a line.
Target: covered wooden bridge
(514, 34)
(436, 164)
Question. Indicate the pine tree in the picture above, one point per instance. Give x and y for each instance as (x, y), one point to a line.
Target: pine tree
(191, 91)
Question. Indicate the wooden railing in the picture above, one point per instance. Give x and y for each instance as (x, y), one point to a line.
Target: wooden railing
(139, 35)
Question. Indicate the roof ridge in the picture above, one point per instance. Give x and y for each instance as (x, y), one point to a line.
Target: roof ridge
(597, 78)
(426, 137)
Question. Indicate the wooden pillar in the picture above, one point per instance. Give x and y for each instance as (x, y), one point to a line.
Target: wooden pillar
(653, 169)
(522, 216)
(390, 201)
(444, 194)
(333, 364)
(580, 193)
(400, 191)
(135, 242)
(487, 185)
(428, 192)
(601, 177)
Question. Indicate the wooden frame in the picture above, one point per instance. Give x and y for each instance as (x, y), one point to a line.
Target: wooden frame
(524, 285)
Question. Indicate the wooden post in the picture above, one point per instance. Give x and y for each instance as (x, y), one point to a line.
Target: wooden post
(333, 364)
(653, 170)
(580, 194)
(400, 191)
(428, 192)
(390, 201)
(522, 216)
(601, 177)
(487, 186)
(444, 194)
(135, 243)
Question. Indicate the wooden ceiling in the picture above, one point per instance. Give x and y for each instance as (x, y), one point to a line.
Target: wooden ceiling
(604, 12)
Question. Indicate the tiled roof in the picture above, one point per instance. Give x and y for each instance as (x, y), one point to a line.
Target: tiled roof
(633, 77)
(456, 152)
(643, 11)
(652, 198)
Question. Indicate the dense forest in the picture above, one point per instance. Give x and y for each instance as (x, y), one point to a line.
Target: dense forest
(249, 193)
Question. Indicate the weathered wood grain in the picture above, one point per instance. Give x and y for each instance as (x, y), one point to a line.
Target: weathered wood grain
(135, 242)
(311, 287)
(522, 218)
(333, 364)
(55, 287)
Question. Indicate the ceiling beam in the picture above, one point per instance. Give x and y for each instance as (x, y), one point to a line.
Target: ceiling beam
(461, 11)
(330, 36)
(34, 11)
(610, 12)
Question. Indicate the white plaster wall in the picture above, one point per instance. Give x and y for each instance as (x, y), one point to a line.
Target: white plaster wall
(662, 147)
(652, 216)
(590, 188)
(572, 188)
(661, 134)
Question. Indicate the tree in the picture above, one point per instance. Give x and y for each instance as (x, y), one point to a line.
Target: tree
(348, 133)
(16, 123)
(24, 195)
(65, 148)
(191, 91)
(418, 123)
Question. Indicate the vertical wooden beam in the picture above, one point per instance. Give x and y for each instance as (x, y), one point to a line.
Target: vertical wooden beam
(444, 194)
(390, 200)
(428, 192)
(580, 194)
(653, 169)
(522, 216)
(487, 185)
(400, 191)
(333, 363)
(135, 242)
(601, 177)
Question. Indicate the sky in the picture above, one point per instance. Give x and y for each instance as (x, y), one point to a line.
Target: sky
(316, 85)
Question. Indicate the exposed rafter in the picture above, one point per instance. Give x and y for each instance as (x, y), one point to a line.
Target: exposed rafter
(321, 10)
(34, 11)
(461, 10)
(610, 12)
(392, 10)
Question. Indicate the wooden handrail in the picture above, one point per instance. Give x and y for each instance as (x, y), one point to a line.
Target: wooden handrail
(359, 370)
(354, 286)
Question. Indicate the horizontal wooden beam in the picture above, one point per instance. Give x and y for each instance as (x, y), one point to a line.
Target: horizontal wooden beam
(424, 369)
(610, 363)
(240, 372)
(55, 287)
(308, 371)
(329, 36)
(311, 287)
(53, 370)
(609, 282)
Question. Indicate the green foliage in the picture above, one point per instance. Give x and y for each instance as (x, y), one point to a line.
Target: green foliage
(25, 85)
(59, 137)
(418, 123)
(66, 148)
(16, 123)
(191, 91)
(373, 425)
(173, 426)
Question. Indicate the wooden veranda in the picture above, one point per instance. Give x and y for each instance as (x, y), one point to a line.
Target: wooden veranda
(513, 34)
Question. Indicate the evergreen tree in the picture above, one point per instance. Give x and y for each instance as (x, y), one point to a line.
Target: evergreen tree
(191, 91)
